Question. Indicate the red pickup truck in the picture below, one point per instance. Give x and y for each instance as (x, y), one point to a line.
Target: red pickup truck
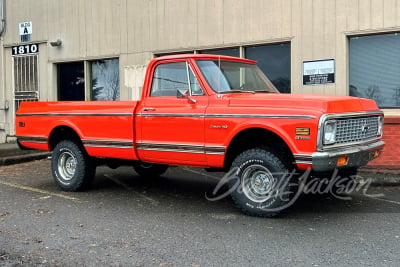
(215, 112)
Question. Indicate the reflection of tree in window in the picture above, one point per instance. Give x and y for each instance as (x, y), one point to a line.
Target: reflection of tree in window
(105, 80)
(354, 91)
(397, 96)
(373, 92)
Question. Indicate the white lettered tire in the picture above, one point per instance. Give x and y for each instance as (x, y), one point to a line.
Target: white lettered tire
(262, 185)
(73, 169)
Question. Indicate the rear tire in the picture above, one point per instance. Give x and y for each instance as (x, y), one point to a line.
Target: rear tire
(149, 169)
(262, 185)
(73, 169)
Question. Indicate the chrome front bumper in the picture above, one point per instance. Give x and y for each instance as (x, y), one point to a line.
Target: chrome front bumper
(357, 156)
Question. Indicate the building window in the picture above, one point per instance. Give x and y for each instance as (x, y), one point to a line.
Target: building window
(233, 52)
(374, 68)
(105, 79)
(274, 61)
(71, 81)
(26, 79)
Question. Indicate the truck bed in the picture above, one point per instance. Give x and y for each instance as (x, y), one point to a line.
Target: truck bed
(106, 128)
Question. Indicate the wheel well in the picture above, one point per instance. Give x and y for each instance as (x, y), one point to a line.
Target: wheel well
(257, 137)
(61, 133)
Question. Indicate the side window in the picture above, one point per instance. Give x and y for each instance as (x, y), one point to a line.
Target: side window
(168, 78)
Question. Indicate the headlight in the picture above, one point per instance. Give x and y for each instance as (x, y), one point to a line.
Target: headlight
(380, 126)
(329, 132)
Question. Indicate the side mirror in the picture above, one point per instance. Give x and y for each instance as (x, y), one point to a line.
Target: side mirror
(181, 93)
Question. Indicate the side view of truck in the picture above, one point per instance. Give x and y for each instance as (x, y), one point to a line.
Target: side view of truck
(213, 112)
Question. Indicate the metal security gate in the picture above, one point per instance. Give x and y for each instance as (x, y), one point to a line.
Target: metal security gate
(26, 79)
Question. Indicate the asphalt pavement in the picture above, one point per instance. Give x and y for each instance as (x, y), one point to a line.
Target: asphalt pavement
(127, 220)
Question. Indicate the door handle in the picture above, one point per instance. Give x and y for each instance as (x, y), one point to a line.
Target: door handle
(149, 109)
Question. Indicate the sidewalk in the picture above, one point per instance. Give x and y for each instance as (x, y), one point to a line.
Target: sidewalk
(10, 154)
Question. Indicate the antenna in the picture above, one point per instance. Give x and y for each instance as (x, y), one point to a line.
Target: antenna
(219, 74)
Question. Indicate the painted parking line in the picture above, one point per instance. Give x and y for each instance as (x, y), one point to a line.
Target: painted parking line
(40, 191)
(202, 174)
(127, 187)
(385, 200)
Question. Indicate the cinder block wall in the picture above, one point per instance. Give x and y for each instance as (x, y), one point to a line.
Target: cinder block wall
(390, 158)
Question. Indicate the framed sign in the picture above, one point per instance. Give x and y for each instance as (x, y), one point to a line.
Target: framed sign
(25, 28)
(318, 72)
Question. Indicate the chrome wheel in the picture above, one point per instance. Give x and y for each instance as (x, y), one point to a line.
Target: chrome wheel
(258, 183)
(67, 165)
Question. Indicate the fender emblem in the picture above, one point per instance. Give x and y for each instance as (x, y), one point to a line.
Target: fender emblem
(219, 126)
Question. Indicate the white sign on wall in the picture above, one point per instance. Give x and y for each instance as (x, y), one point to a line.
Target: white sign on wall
(318, 72)
(25, 28)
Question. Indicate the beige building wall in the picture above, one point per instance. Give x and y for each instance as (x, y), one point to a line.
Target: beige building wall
(135, 30)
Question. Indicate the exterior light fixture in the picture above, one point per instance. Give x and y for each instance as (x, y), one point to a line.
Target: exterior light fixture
(56, 43)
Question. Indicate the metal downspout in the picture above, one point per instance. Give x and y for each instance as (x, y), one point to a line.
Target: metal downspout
(3, 17)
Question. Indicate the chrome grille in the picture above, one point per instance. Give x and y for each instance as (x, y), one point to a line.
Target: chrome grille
(351, 130)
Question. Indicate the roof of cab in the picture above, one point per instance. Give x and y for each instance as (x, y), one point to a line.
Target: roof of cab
(203, 56)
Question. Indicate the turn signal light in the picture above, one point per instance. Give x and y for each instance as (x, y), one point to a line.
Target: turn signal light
(342, 161)
(377, 153)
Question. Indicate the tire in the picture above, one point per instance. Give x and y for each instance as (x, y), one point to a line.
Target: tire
(149, 169)
(262, 184)
(73, 169)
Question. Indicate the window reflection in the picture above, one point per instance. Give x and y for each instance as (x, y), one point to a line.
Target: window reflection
(274, 61)
(374, 68)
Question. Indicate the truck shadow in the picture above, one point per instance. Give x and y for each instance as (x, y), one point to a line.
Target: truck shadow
(183, 191)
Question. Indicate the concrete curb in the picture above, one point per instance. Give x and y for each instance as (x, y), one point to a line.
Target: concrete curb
(10, 160)
(380, 178)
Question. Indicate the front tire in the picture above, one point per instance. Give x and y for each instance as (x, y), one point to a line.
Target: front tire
(73, 169)
(262, 185)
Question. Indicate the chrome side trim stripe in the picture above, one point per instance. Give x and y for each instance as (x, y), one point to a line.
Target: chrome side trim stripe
(32, 139)
(74, 114)
(181, 148)
(175, 115)
(243, 116)
(302, 159)
(260, 116)
(108, 143)
(215, 150)
(172, 115)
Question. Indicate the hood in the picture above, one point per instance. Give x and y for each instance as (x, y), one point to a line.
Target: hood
(319, 103)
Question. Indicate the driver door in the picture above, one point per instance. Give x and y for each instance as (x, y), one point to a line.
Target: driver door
(172, 117)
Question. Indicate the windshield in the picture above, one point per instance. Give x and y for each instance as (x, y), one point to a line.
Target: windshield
(225, 76)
